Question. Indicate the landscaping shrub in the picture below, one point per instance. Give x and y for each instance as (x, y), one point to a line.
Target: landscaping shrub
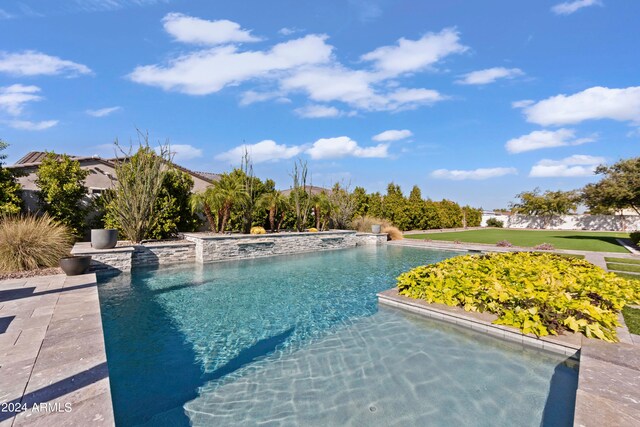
(258, 230)
(393, 232)
(30, 242)
(544, 247)
(539, 293)
(363, 224)
(504, 244)
(312, 230)
(635, 237)
(494, 222)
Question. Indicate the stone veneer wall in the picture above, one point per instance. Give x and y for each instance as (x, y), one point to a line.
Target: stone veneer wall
(126, 257)
(211, 247)
(206, 247)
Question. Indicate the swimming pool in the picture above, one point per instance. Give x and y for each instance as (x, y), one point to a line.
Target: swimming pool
(299, 340)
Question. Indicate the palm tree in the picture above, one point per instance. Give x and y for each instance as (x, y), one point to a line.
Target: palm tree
(228, 191)
(321, 206)
(205, 201)
(274, 202)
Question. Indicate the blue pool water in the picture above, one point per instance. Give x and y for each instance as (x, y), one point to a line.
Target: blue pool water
(300, 340)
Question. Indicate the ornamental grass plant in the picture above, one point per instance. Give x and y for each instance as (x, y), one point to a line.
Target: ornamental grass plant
(29, 242)
(538, 293)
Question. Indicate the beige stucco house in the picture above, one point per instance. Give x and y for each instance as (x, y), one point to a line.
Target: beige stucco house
(101, 176)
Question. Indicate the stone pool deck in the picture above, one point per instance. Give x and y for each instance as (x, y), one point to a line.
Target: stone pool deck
(52, 353)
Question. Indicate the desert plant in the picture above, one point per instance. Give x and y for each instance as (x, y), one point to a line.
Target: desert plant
(393, 232)
(312, 230)
(300, 198)
(258, 230)
(504, 244)
(544, 247)
(635, 237)
(363, 224)
(29, 242)
(131, 205)
(60, 181)
(539, 293)
(494, 222)
(205, 201)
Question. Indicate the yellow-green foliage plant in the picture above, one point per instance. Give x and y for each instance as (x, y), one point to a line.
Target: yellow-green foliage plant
(29, 242)
(258, 230)
(538, 293)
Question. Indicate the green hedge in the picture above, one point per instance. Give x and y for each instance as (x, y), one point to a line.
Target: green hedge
(538, 293)
(635, 237)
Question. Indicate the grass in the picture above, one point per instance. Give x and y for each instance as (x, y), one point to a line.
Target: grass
(623, 260)
(560, 239)
(628, 276)
(623, 267)
(632, 319)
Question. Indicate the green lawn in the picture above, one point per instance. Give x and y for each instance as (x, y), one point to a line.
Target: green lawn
(632, 319)
(623, 267)
(576, 240)
(623, 260)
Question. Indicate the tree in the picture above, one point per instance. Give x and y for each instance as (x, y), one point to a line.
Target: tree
(546, 205)
(361, 200)
(322, 209)
(618, 189)
(416, 208)
(341, 205)
(173, 213)
(394, 207)
(10, 201)
(131, 204)
(276, 204)
(61, 190)
(228, 192)
(205, 201)
(299, 197)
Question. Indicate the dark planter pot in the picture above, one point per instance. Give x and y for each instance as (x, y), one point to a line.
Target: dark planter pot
(75, 265)
(104, 238)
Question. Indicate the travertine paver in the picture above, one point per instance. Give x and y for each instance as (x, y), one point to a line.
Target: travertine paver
(52, 355)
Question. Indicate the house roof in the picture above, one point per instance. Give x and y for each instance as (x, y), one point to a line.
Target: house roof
(34, 158)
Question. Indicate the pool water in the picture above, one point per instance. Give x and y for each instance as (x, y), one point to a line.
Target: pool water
(299, 340)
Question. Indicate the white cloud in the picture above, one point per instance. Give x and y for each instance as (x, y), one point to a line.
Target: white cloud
(392, 135)
(29, 125)
(317, 111)
(415, 55)
(188, 29)
(343, 146)
(103, 112)
(32, 63)
(475, 174)
(569, 7)
(260, 152)
(14, 97)
(306, 66)
(574, 166)
(287, 31)
(522, 103)
(355, 88)
(207, 71)
(544, 139)
(591, 104)
(181, 152)
(489, 75)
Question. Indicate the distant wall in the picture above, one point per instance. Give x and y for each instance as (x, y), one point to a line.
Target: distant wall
(570, 222)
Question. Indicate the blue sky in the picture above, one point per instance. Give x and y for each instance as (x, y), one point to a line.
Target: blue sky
(472, 101)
